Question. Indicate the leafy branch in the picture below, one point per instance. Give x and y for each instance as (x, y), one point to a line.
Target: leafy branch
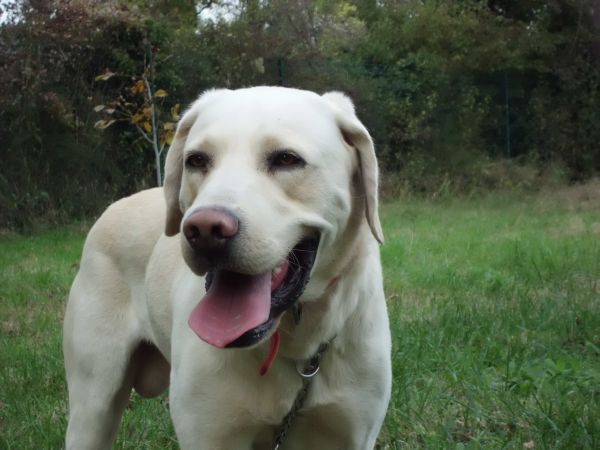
(137, 105)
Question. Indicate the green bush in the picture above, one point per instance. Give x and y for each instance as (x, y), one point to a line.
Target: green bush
(458, 95)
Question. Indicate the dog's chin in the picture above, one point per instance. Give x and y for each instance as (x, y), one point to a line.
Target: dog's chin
(286, 291)
(200, 263)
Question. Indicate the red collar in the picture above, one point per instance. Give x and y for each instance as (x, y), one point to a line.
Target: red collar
(276, 338)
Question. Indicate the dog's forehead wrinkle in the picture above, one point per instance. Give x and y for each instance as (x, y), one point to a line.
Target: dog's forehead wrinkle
(220, 140)
(198, 141)
(285, 140)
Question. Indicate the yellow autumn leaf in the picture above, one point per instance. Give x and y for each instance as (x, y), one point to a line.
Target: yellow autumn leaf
(147, 126)
(103, 124)
(169, 137)
(175, 112)
(137, 118)
(105, 76)
(139, 87)
(160, 93)
(169, 126)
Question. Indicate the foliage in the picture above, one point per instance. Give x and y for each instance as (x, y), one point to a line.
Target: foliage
(462, 75)
(137, 105)
(444, 87)
(56, 164)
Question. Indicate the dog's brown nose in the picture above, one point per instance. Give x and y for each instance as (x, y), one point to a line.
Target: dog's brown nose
(210, 227)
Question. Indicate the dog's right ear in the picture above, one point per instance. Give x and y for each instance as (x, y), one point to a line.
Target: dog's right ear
(174, 171)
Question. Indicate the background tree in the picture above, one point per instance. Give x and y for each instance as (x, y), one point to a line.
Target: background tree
(137, 105)
(452, 91)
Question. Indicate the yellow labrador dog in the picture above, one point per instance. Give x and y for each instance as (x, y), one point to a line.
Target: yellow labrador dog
(256, 264)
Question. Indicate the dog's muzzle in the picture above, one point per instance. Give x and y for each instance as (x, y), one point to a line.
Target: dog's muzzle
(240, 310)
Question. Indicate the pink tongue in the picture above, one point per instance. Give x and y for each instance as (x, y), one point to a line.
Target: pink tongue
(234, 304)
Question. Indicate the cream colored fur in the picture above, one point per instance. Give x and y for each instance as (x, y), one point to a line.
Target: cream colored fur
(126, 320)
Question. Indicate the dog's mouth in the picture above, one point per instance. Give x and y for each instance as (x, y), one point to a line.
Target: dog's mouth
(239, 310)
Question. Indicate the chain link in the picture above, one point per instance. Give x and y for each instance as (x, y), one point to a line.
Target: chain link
(307, 373)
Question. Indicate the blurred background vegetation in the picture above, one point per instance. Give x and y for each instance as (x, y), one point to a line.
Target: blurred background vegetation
(460, 95)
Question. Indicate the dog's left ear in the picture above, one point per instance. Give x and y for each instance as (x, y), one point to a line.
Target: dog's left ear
(356, 135)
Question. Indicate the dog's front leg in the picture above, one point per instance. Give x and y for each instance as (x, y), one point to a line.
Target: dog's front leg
(97, 349)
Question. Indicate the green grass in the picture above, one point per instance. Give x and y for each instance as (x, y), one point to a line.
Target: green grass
(495, 308)
(495, 311)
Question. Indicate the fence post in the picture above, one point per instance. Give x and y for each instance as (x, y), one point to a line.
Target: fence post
(280, 73)
(507, 107)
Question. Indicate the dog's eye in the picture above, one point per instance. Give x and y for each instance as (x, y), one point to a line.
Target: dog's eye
(198, 161)
(285, 159)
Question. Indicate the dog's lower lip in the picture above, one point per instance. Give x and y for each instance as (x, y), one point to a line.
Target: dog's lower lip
(287, 293)
(252, 336)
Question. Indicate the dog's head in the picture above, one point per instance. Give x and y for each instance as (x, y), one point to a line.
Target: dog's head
(262, 183)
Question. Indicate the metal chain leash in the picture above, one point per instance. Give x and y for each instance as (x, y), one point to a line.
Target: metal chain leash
(307, 373)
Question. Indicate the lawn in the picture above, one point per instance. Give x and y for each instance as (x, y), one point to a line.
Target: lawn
(495, 312)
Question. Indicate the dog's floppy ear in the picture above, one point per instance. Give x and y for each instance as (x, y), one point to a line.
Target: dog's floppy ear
(174, 170)
(356, 135)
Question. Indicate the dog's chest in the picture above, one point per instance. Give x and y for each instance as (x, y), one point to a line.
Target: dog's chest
(323, 421)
